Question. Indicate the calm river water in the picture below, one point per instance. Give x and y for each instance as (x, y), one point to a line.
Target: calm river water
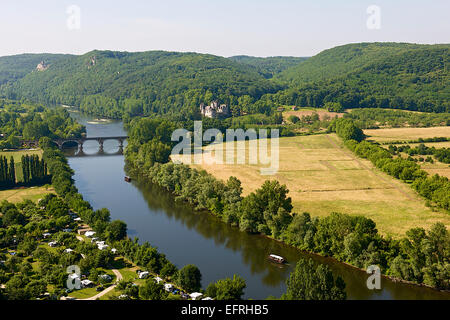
(186, 236)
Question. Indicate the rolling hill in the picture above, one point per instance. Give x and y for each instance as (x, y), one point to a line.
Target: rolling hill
(117, 84)
(107, 82)
(16, 67)
(270, 66)
(383, 75)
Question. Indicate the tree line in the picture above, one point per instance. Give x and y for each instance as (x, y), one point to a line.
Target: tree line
(7, 173)
(22, 120)
(441, 154)
(34, 172)
(268, 210)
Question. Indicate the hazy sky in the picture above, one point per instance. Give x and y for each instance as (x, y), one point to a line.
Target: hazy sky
(231, 27)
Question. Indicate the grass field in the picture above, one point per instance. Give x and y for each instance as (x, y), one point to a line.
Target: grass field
(17, 155)
(407, 134)
(18, 195)
(323, 177)
(397, 134)
(301, 112)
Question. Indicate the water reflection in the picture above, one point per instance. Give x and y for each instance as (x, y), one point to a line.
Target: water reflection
(254, 250)
(80, 152)
(187, 236)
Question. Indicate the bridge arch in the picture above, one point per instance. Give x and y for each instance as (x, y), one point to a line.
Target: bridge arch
(68, 141)
(100, 140)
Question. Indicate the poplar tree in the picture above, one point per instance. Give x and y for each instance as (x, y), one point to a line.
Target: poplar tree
(12, 172)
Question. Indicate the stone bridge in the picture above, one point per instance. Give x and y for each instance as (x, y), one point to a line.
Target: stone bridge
(80, 141)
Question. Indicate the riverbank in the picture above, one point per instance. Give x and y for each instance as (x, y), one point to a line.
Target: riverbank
(189, 236)
(387, 277)
(139, 174)
(112, 232)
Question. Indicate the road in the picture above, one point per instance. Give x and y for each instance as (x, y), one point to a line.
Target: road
(116, 273)
(100, 294)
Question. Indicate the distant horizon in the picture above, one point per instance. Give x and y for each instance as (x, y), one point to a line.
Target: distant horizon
(237, 55)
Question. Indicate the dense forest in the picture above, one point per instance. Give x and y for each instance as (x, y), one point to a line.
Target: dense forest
(340, 60)
(109, 83)
(121, 84)
(270, 66)
(371, 118)
(16, 67)
(398, 76)
(31, 122)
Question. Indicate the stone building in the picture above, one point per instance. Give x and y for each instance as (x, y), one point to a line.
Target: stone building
(42, 66)
(214, 110)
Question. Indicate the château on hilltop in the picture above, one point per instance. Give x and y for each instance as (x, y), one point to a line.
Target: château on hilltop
(214, 110)
(42, 66)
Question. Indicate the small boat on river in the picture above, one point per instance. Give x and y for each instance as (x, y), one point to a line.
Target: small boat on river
(277, 259)
(127, 179)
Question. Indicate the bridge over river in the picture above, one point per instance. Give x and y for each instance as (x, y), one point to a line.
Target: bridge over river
(80, 141)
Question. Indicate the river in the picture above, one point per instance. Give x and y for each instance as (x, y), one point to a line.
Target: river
(189, 237)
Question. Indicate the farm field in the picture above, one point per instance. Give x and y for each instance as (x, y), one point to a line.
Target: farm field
(437, 167)
(18, 154)
(397, 134)
(323, 177)
(18, 195)
(301, 112)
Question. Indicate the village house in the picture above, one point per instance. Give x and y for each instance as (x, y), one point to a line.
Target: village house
(214, 110)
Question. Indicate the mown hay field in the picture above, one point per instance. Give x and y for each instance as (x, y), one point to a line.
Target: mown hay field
(21, 194)
(406, 134)
(323, 177)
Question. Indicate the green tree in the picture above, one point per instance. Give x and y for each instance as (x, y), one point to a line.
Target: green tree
(227, 289)
(294, 119)
(151, 290)
(334, 107)
(190, 278)
(116, 230)
(312, 282)
(12, 172)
